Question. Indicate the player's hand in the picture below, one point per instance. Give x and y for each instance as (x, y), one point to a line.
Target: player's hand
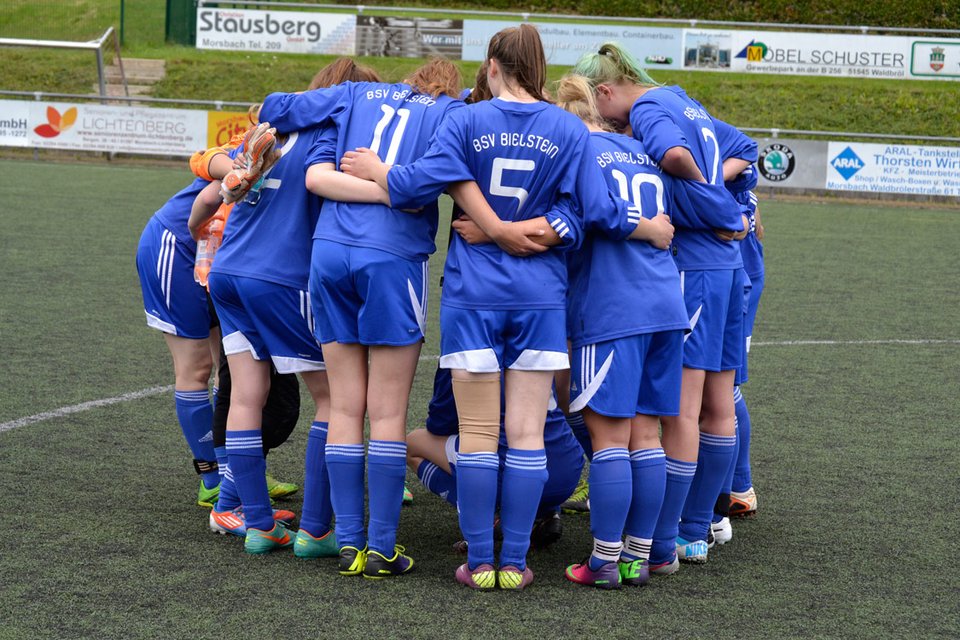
(740, 235)
(360, 163)
(758, 224)
(512, 239)
(661, 231)
(469, 231)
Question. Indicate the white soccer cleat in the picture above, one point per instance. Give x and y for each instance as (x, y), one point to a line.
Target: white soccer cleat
(691, 551)
(722, 531)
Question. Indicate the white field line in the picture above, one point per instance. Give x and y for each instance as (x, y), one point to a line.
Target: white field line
(83, 406)
(153, 391)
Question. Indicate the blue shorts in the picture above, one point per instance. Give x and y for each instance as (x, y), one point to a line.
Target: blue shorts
(172, 299)
(267, 319)
(753, 302)
(442, 418)
(367, 296)
(486, 341)
(715, 305)
(621, 378)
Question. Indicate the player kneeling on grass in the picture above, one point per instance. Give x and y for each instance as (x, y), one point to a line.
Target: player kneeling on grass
(627, 319)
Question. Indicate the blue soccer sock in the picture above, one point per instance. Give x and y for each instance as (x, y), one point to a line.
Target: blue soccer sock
(649, 475)
(722, 507)
(345, 469)
(580, 432)
(477, 501)
(611, 488)
(195, 414)
(714, 458)
(317, 508)
(742, 479)
(248, 467)
(213, 397)
(386, 469)
(221, 455)
(438, 481)
(524, 474)
(679, 476)
(229, 499)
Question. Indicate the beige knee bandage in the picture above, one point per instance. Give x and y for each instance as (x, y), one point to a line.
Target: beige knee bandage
(478, 407)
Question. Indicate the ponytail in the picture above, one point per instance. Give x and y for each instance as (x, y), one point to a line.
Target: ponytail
(519, 51)
(436, 77)
(613, 64)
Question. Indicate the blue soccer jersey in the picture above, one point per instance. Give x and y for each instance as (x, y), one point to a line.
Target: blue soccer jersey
(525, 157)
(394, 121)
(268, 234)
(621, 287)
(176, 211)
(664, 118)
(750, 247)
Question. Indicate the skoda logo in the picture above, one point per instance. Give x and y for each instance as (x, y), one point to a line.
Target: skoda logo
(776, 162)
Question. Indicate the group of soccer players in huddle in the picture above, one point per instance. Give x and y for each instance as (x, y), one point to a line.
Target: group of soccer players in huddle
(597, 300)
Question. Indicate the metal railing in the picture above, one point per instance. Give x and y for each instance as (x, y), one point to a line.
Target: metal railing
(525, 16)
(218, 105)
(93, 45)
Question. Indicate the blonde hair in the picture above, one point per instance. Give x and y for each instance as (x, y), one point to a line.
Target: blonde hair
(436, 77)
(574, 94)
(613, 64)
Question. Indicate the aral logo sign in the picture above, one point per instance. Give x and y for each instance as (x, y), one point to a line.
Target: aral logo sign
(847, 163)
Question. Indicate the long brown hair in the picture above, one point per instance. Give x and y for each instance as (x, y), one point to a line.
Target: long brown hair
(481, 90)
(519, 52)
(342, 70)
(436, 77)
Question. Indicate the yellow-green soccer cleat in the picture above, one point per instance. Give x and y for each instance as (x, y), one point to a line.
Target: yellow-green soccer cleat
(207, 497)
(279, 489)
(579, 501)
(258, 541)
(352, 561)
(307, 546)
(407, 496)
(379, 566)
(512, 578)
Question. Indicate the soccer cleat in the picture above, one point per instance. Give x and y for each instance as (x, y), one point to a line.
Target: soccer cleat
(483, 578)
(691, 550)
(260, 542)
(579, 501)
(635, 573)
(546, 531)
(460, 546)
(378, 566)
(407, 496)
(606, 577)
(307, 546)
(279, 489)
(207, 497)
(743, 505)
(352, 561)
(233, 522)
(513, 579)
(722, 531)
(667, 568)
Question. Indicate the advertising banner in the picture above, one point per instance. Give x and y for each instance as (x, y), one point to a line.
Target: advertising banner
(893, 168)
(792, 164)
(94, 127)
(408, 37)
(223, 125)
(278, 31)
(655, 47)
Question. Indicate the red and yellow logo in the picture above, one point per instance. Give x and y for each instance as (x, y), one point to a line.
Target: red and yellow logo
(57, 123)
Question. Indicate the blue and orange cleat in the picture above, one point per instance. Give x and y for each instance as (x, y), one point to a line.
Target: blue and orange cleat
(259, 541)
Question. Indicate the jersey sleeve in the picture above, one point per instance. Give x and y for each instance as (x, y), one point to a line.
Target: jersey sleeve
(654, 126)
(734, 143)
(324, 147)
(566, 220)
(414, 185)
(699, 205)
(289, 112)
(744, 182)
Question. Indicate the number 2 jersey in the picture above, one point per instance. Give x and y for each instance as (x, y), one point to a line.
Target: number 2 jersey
(664, 118)
(394, 121)
(268, 235)
(525, 157)
(621, 287)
